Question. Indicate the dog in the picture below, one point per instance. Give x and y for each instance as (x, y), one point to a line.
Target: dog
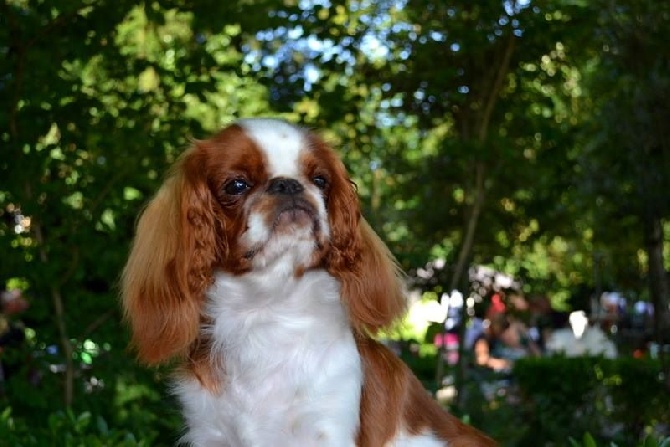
(253, 267)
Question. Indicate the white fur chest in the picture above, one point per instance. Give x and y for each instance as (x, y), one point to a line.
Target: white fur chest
(292, 372)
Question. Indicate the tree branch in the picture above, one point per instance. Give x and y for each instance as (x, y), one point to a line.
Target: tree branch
(494, 94)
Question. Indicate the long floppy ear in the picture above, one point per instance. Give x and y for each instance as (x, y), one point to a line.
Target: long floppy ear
(372, 286)
(371, 280)
(170, 264)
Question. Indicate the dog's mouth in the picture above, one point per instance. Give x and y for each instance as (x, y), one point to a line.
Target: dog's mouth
(297, 213)
(293, 221)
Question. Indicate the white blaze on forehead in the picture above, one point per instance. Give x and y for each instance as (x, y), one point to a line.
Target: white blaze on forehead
(281, 142)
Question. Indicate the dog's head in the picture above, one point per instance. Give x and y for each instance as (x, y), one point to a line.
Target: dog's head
(261, 196)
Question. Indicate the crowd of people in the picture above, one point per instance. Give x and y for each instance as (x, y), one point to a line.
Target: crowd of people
(511, 327)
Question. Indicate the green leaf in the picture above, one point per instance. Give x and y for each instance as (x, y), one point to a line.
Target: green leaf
(588, 441)
(102, 426)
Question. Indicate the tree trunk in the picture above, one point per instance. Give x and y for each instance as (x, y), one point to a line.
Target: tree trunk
(459, 275)
(59, 315)
(658, 289)
(482, 124)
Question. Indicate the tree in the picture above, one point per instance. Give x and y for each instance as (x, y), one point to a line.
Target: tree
(627, 160)
(97, 100)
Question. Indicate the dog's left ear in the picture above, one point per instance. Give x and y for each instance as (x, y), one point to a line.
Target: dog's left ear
(372, 282)
(372, 285)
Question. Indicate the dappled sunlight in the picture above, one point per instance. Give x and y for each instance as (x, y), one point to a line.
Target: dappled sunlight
(514, 155)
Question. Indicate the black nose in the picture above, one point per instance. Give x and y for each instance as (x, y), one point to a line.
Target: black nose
(286, 186)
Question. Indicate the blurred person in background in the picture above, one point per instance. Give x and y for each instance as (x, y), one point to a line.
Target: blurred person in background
(544, 320)
(581, 339)
(12, 330)
(502, 342)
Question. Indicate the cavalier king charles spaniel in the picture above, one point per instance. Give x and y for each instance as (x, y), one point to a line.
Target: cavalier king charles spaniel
(253, 267)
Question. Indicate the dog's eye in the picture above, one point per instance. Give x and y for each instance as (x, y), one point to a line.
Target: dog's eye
(320, 181)
(236, 187)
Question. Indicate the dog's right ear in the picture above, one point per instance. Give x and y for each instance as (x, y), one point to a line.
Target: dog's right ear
(170, 264)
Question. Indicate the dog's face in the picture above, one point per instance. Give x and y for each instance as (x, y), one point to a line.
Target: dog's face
(277, 192)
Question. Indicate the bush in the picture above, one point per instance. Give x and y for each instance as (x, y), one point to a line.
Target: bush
(116, 404)
(615, 400)
(67, 429)
(650, 441)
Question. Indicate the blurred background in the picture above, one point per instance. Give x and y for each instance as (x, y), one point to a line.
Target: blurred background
(515, 156)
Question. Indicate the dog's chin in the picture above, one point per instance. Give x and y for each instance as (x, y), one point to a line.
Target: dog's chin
(291, 219)
(294, 243)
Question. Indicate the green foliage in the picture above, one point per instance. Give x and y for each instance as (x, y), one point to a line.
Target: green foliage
(615, 400)
(68, 429)
(554, 401)
(100, 99)
(435, 106)
(626, 153)
(557, 401)
(649, 441)
(114, 401)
